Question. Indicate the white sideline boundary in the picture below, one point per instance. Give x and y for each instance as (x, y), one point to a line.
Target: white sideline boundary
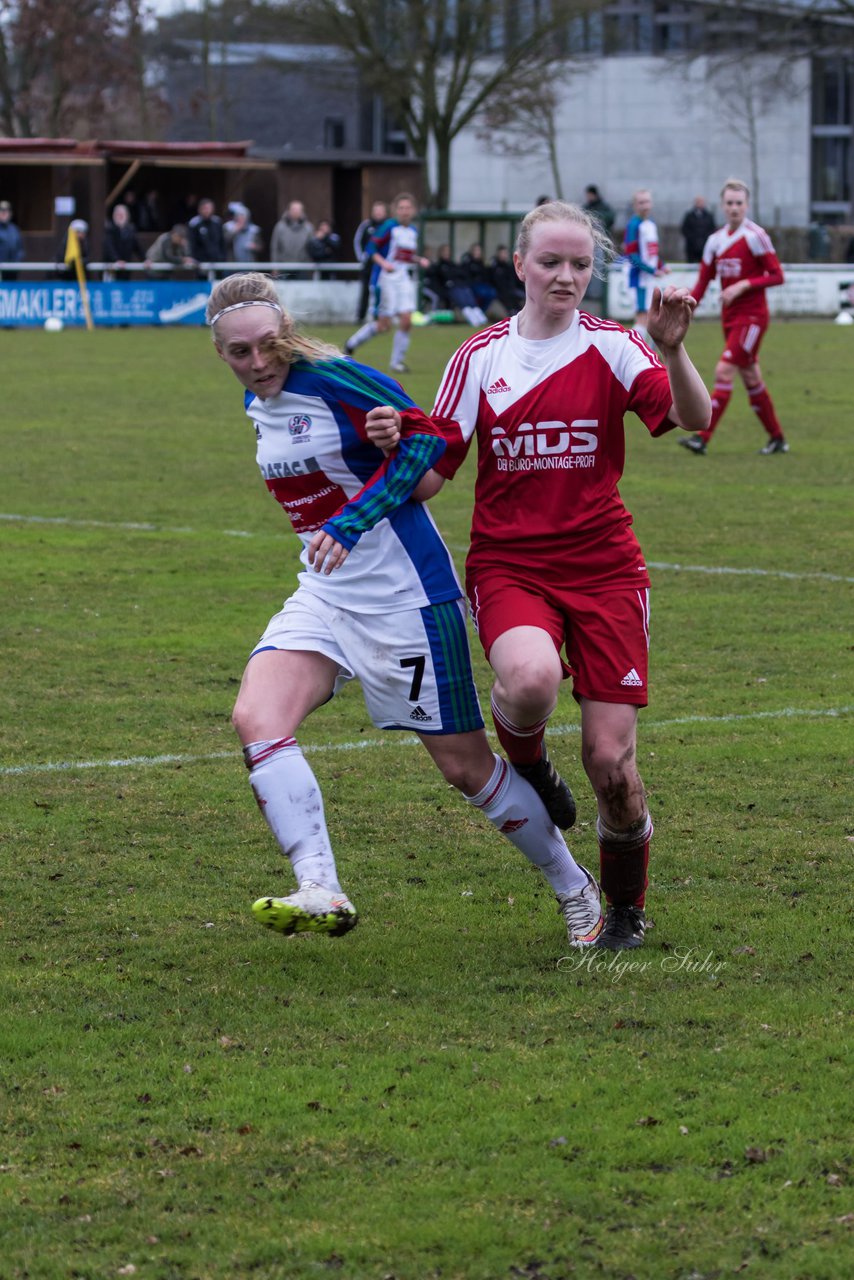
(394, 738)
(143, 527)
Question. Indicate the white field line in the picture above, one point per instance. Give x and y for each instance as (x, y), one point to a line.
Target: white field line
(135, 527)
(396, 739)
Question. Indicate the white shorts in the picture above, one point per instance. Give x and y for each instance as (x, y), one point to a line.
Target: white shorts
(398, 292)
(414, 666)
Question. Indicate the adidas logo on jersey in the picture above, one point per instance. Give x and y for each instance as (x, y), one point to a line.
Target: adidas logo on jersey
(631, 678)
(419, 714)
(497, 387)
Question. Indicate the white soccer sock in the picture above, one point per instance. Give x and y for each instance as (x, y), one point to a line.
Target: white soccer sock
(290, 800)
(513, 806)
(399, 346)
(368, 330)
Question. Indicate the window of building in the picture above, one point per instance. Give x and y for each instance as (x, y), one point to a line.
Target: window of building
(831, 170)
(334, 133)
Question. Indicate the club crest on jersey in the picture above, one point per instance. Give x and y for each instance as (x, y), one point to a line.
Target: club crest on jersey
(299, 424)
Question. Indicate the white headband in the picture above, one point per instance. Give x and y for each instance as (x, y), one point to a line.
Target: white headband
(253, 302)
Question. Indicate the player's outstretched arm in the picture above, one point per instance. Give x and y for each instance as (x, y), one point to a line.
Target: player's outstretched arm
(383, 427)
(669, 317)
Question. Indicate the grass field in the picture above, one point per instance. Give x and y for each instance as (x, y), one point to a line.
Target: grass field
(443, 1093)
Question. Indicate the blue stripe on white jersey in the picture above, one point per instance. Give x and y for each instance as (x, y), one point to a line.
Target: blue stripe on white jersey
(325, 473)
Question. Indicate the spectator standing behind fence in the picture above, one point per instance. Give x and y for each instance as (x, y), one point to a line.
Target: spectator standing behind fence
(207, 242)
(291, 235)
(242, 236)
(599, 209)
(11, 242)
(365, 232)
(171, 248)
(121, 244)
(325, 245)
(697, 225)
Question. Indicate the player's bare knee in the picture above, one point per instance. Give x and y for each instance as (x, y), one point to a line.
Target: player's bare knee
(458, 773)
(530, 685)
(609, 765)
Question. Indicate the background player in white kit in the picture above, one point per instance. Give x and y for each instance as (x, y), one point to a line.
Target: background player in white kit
(394, 248)
(553, 562)
(643, 257)
(378, 599)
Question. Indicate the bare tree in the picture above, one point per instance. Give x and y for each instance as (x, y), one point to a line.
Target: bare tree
(749, 53)
(438, 64)
(525, 124)
(71, 69)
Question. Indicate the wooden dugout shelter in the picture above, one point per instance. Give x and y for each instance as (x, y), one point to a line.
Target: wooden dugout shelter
(34, 172)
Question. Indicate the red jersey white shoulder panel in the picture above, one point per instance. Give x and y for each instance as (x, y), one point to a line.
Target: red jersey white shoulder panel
(549, 422)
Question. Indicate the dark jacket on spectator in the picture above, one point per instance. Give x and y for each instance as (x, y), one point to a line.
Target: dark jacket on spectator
(11, 244)
(325, 247)
(121, 243)
(207, 243)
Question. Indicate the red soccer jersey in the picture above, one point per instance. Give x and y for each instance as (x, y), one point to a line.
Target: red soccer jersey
(551, 446)
(744, 254)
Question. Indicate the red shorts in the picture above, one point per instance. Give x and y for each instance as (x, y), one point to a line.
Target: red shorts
(606, 633)
(742, 342)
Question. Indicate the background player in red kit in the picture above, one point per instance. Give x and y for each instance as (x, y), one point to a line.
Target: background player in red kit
(553, 560)
(742, 257)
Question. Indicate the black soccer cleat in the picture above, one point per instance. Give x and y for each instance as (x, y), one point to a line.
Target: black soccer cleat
(623, 930)
(551, 788)
(695, 443)
(777, 444)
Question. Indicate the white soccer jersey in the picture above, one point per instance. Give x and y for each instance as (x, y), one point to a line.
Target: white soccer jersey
(401, 248)
(318, 463)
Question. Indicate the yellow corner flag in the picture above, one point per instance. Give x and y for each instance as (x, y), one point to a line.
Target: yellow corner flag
(74, 258)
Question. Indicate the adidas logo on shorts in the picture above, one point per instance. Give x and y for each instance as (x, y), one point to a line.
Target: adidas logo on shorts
(632, 679)
(420, 714)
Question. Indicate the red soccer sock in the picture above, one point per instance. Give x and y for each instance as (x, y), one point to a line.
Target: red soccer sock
(721, 393)
(623, 863)
(522, 745)
(763, 406)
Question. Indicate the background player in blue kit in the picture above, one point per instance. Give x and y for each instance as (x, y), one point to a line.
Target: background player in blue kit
(394, 250)
(643, 258)
(378, 599)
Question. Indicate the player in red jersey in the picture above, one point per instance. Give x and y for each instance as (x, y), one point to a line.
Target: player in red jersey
(742, 257)
(553, 561)
(377, 600)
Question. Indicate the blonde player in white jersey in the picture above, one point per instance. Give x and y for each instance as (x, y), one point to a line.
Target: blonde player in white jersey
(378, 600)
(394, 250)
